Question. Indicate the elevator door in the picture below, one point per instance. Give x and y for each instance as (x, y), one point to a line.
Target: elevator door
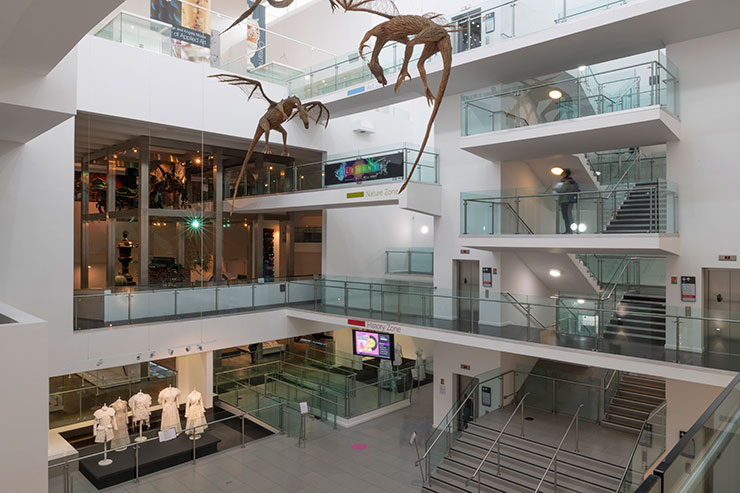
(722, 300)
(468, 28)
(468, 292)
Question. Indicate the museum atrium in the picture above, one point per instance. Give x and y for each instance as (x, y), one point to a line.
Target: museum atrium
(384, 246)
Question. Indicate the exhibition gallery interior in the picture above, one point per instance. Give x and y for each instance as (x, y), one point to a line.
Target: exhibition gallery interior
(441, 246)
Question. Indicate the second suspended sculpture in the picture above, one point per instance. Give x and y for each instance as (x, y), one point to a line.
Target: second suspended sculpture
(278, 113)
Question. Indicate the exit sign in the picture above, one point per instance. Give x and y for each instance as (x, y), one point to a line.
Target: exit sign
(464, 251)
(728, 258)
(465, 367)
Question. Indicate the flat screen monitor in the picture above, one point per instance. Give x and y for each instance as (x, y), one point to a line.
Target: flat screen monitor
(373, 344)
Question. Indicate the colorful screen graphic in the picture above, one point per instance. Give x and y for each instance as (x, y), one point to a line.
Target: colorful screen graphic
(373, 344)
(365, 169)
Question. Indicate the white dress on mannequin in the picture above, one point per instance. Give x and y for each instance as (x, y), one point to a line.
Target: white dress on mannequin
(170, 411)
(140, 404)
(120, 433)
(195, 413)
(421, 370)
(398, 355)
(104, 425)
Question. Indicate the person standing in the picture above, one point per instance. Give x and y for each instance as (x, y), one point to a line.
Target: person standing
(567, 190)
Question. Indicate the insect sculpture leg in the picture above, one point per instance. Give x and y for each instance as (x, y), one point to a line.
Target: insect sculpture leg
(266, 128)
(430, 35)
(280, 129)
(252, 146)
(430, 49)
(375, 68)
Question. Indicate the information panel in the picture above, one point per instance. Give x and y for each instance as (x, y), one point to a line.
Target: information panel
(365, 169)
(373, 344)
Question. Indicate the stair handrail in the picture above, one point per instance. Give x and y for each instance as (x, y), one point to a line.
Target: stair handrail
(518, 217)
(613, 188)
(617, 276)
(498, 441)
(527, 311)
(557, 451)
(637, 444)
(462, 405)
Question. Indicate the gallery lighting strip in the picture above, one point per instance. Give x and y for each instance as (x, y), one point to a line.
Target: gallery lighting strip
(219, 14)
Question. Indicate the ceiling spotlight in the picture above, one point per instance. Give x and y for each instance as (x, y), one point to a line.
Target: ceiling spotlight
(582, 68)
(555, 272)
(197, 160)
(200, 347)
(556, 170)
(170, 352)
(151, 355)
(424, 229)
(138, 357)
(99, 363)
(574, 227)
(555, 94)
(187, 349)
(580, 302)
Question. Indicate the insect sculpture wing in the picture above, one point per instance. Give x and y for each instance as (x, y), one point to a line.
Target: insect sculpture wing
(250, 87)
(317, 112)
(385, 8)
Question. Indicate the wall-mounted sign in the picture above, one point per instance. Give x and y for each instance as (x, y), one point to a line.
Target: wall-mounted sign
(442, 388)
(464, 251)
(486, 396)
(674, 280)
(191, 36)
(487, 277)
(365, 169)
(490, 21)
(465, 367)
(728, 258)
(688, 288)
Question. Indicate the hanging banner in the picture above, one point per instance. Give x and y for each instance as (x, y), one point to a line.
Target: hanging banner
(365, 169)
(191, 25)
(185, 35)
(166, 11)
(256, 36)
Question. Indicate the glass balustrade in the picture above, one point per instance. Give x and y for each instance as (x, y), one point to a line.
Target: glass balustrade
(409, 261)
(476, 27)
(628, 166)
(594, 91)
(705, 458)
(388, 163)
(628, 208)
(650, 445)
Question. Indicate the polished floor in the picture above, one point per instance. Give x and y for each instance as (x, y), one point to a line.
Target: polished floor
(329, 464)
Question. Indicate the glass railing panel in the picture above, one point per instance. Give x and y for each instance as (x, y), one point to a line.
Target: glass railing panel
(592, 212)
(637, 85)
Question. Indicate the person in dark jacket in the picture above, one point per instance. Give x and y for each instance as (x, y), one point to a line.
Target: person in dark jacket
(567, 190)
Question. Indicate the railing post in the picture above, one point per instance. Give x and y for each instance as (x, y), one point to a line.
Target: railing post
(493, 217)
(77, 310)
(554, 397)
(678, 345)
(175, 303)
(578, 419)
(243, 429)
(346, 293)
(129, 307)
(523, 418)
(194, 449)
(517, 214)
(66, 475)
(465, 217)
(555, 471)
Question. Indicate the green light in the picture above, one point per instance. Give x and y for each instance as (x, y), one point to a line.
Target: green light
(195, 224)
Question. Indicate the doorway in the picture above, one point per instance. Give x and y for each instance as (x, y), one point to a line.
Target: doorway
(722, 300)
(469, 30)
(467, 290)
(470, 409)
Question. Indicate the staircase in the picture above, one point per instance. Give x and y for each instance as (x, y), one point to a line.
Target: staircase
(523, 462)
(643, 210)
(636, 397)
(639, 317)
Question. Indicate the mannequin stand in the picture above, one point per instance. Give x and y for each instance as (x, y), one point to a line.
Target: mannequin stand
(106, 461)
(196, 437)
(141, 437)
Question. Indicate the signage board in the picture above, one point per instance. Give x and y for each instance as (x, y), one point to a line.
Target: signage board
(728, 258)
(486, 396)
(464, 251)
(364, 169)
(487, 277)
(167, 435)
(191, 36)
(688, 288)
(304, 407)
(373, 344)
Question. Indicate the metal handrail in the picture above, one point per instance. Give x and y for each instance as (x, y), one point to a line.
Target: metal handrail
(470, 394)
(637, 159)
(637, 444)
(497, 441)
(583, 193)
(528, 311)
(616, 277)
(557, 451)
(519, 218)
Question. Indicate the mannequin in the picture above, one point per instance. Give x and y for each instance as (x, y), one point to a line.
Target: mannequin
(140, 412)
(421, 371)
(170, 410)
(103, 428)
(397, 356)
(385, 374)
(120, 433)
(195, 413)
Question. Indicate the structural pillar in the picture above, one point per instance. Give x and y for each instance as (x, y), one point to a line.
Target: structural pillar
(84, 223)
(259, 238)
(218, 207)
(144, 156)
(110, 222)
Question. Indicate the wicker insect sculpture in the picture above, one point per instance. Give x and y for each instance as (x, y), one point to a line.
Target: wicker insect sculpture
(278, 113)
(428, 30)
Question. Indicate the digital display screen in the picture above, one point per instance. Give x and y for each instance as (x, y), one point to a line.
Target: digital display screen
(373, 344)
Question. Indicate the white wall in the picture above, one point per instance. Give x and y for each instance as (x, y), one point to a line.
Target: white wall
(25, 417)
(460, 171)
(702, 163)
(447, 361)
(686, 402)
(195, 372)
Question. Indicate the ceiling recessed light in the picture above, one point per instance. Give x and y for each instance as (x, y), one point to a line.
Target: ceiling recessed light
(555, 272)
(424, 229)
(556, 170)
(555, 94)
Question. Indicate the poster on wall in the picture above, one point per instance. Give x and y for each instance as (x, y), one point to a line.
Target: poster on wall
(688, 288)
(365, 169)
(487, 277)
(490, 21)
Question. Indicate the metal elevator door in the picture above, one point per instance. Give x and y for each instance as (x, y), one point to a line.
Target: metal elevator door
(722, 300)
(468, 292)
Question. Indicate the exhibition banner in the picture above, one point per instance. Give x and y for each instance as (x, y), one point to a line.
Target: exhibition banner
(365, 169)
(256, 36)
(191, 22)
(191, 36)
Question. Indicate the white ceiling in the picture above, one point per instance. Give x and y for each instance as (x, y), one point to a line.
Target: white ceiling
(571, 279)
